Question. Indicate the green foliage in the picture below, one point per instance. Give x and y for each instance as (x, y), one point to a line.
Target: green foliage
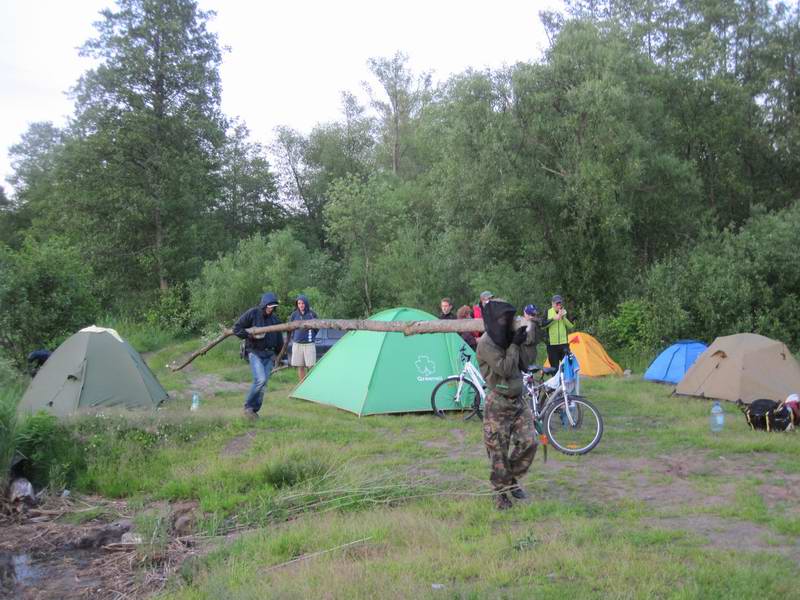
(731, 283)
(172, 311)
(235, 281)
(361, 218)
(143, 336)
(621, 170)
(47, 292)
(52, 456)
(9, 397)
(632, 327)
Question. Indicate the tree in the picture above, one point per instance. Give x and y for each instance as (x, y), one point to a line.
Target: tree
(146, 131)
(361, 218)
(405, 98)
(46, 293)
(248, 196)
(308, 165)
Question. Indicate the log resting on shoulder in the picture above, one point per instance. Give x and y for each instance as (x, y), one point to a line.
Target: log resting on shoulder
(404, 327)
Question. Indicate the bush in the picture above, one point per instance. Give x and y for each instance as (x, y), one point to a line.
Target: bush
(172, 312)
(633, 327)
(46, 294)
(52, 456)
(9, 396)
(235, 281)
(736, 282)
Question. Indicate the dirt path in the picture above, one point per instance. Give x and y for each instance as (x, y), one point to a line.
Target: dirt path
(682, 491)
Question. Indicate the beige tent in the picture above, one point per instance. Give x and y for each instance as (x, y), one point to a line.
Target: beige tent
(746, 367)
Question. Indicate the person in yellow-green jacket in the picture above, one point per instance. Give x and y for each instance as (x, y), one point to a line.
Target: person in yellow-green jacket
(557, 326)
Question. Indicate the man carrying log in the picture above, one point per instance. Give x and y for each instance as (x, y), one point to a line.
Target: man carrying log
(260, 349)
(508, 429)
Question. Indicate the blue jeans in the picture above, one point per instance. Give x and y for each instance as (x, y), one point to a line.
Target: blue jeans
(261, 369)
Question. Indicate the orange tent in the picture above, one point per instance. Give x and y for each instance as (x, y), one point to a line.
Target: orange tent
(591, 355)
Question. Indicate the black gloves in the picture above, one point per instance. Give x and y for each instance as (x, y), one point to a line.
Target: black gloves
(519, 336)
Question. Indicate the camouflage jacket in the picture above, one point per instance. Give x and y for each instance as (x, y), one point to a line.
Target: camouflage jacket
(502, 369)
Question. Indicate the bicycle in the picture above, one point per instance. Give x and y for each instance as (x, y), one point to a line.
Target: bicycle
(465, 391)
(569, 422)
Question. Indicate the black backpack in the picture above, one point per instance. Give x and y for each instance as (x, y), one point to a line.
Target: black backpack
(768, 415)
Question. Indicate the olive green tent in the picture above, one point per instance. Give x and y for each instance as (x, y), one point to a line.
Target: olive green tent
(369, 373)
(93, 368)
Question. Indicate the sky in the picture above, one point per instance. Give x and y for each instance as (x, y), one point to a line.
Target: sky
(288, 61)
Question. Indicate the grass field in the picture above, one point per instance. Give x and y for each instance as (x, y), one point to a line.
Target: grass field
(313, 502)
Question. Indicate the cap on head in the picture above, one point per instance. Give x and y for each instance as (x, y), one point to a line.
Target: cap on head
(557, 298)
(487, 295)
(530, 309)
(792, 399)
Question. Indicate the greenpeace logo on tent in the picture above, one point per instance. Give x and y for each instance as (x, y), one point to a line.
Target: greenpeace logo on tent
(426, 368)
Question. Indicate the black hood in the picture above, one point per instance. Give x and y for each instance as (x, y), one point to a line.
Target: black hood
(498, 319)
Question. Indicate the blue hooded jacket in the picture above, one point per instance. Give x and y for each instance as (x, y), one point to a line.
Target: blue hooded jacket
(271, 343)
(303, 336)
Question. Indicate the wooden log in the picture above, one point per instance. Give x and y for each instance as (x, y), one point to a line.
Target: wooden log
(404, 327)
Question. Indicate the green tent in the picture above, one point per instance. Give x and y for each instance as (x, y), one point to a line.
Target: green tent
(369, 373)
(93, 368)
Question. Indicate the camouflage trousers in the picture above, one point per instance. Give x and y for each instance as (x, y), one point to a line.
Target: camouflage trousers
(510, 438)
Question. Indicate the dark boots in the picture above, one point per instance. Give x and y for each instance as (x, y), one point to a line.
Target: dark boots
(502, 502)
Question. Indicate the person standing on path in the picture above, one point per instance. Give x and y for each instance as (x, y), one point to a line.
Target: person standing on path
(260, 349)
(304, 350)
(508, 430)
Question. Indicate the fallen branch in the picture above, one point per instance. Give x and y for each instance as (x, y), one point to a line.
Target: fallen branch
(404, 327)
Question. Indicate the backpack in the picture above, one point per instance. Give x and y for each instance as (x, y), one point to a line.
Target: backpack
(768, 415)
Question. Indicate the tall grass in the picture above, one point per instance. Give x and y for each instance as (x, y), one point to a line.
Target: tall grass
(9, 396)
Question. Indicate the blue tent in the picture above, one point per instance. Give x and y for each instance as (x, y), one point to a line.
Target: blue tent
(671, 365)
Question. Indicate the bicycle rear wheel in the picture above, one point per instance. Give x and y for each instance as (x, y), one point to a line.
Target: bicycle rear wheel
(579, 436)
(456, 394)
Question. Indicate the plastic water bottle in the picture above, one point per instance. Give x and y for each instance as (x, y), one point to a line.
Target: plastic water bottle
(717, 417)
(195, 401)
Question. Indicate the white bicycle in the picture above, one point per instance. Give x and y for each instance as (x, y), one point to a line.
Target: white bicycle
(568, 421)
(464, 392)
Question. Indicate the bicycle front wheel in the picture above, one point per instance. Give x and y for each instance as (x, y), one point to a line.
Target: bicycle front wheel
(576, 433)
(456, 394)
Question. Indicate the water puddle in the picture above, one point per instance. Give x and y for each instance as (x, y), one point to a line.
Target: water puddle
(66, 575)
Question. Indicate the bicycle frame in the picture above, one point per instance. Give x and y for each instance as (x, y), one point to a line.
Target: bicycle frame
(535, 388)
(471, 373)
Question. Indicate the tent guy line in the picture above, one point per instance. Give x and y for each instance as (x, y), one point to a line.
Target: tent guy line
(404, 327)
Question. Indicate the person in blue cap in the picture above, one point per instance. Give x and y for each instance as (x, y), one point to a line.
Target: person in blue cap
(533, 323)
(260, 349)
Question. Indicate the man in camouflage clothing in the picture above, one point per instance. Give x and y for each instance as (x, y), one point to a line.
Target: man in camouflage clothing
(508, 429)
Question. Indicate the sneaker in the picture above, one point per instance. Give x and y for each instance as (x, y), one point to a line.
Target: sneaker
(502, 502)
(519, 493)
(249, 413)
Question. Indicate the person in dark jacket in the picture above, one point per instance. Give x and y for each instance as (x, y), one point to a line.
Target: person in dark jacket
(304, 350)
(260, 349)
(447, 309)
(36, 359)
(508, 430)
